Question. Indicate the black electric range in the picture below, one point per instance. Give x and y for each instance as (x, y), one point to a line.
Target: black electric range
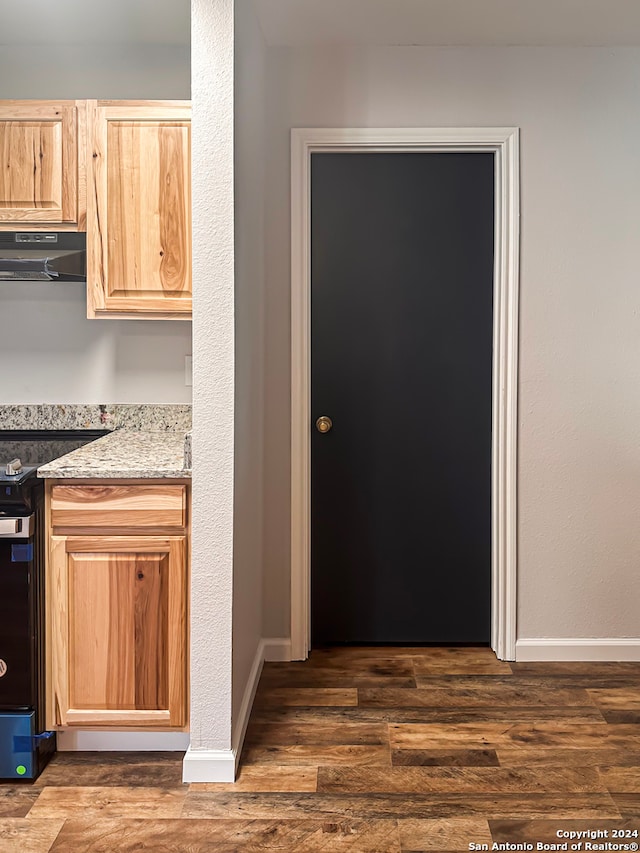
(25, 746)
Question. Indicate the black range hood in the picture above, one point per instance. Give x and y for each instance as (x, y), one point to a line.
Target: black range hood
(54, 256)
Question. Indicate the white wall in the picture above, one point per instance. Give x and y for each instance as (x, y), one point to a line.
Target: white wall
(250, 70)
(213, 392)
(579, 447)
(49, 351)
(95, 71)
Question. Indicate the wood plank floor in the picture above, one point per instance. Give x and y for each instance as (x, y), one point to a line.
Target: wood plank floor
(378, 750)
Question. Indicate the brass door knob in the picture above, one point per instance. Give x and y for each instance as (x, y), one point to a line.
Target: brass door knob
(324, 424)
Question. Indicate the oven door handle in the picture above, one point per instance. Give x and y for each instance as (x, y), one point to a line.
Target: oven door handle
(16, 528)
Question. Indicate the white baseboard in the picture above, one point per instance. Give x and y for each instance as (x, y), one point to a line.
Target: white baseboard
(277, 649)
(209, 765)
(135, 741)
(212, 765)
(239, 726)
(579, 649)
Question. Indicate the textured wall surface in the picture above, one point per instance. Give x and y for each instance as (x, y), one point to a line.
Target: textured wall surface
(579, 447)
(213, 374)
(249, 278)
(63, 357)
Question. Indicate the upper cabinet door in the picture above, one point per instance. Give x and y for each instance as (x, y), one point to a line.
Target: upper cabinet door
(39, 179)
(139, 209)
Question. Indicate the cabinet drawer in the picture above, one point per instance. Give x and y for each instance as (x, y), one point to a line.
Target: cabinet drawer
(119, 506)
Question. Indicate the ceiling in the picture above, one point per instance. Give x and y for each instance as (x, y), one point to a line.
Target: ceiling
(450, 22)
(333, 22)
(89, 22)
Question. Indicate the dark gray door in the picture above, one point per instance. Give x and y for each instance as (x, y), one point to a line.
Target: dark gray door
(402, 320)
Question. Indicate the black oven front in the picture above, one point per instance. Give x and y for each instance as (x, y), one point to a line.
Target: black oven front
(25, 744)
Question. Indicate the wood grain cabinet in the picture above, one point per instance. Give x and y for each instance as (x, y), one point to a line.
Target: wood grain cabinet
(118, 605)
(42, 176)
(121, 170)
(139, 209)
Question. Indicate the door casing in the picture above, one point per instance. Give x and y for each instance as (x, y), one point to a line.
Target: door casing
(503, 142)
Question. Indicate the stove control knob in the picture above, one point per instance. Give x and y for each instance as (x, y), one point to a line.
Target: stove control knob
(14, 467)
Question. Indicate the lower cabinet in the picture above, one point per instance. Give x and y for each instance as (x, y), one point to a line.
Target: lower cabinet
(118, 638)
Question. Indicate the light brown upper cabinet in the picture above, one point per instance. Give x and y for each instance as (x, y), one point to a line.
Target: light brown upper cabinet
(42, 176)
(139, 209)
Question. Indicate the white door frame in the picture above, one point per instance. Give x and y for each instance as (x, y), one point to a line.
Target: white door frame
(503, 142)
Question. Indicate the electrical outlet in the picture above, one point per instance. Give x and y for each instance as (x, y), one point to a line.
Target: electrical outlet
(188, 370)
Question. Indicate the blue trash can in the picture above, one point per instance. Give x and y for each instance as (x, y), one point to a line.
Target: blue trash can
(23, 751)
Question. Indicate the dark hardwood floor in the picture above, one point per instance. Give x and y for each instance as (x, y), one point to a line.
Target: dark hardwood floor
(369, 749)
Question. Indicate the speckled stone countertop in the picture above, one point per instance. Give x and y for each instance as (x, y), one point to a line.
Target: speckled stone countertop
(155, 439)
(124, 454)
(145, 417)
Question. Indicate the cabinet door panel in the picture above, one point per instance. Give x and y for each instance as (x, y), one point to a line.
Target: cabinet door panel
(139, 248)
(121, 651)
(118, 633)
(39, 158)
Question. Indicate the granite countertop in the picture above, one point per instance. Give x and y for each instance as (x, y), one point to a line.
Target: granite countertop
(145, 417)
(148, 440)
(124, 454)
